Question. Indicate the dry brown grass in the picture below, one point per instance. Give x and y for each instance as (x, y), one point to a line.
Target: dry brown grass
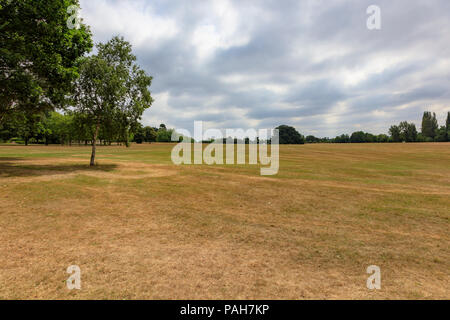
(140, 227)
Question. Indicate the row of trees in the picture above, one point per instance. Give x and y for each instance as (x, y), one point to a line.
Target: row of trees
(360, 137)
(430, 130)
(403, 132)
(152, 134)
(70, 127)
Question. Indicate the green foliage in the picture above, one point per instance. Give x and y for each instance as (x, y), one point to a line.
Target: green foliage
(382, 138)
(370, 138)
(420, 138)
(59, 128)
(149, 134)
(16, 141)
(408, 132)
(144, 134)
(404, 132)
(441, 135)
(289, 135)
(28, 125)
(429, 125)
(447, 127)
(312, 139)
(434, 124)
(447, 122)
(358, 137)
(164, 135)
(344, 138)
(38, 54)
(394, 131)
(139, 135)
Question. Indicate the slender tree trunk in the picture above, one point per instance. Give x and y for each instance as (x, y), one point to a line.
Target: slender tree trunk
(94, 144)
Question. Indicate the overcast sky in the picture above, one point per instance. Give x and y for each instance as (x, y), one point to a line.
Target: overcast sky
(312, 64)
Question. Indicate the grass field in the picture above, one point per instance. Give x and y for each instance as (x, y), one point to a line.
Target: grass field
(140, 227)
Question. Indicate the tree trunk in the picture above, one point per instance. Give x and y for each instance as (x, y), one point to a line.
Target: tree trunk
(94, 145)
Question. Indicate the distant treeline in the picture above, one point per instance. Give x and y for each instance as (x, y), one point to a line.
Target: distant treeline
(69, 128)
(403, 132)
(66, 129)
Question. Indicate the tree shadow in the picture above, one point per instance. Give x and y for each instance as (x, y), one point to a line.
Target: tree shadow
(15, 167)
(9, 159)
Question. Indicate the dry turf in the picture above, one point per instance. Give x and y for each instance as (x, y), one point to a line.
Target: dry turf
(140, 227)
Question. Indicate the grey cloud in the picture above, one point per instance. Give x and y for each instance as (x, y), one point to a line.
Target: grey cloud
(304, 47)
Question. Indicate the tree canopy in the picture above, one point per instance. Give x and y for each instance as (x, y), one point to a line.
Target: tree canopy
(38, 54)
(429, 125)
(289, 135)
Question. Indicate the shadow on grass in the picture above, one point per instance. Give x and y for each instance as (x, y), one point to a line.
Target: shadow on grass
(11, 167)
(6, 159)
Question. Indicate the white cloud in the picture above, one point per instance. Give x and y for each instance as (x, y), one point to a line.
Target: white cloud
(135, 20)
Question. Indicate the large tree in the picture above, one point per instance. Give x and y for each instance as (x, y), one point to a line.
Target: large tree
(429, 125)
(408, 132)
(112, 90)
(358, 137)
(289, 135)
(38, 54)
